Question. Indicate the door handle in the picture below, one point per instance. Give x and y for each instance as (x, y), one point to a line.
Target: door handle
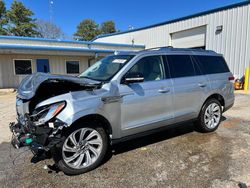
(202, 85)
(163, 90)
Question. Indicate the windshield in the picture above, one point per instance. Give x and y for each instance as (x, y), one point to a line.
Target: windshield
(106, 68)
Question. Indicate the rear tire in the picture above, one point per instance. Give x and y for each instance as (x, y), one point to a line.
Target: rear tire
(83, 149)
(210, 116)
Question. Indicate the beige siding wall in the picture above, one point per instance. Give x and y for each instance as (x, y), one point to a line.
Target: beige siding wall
(233, 42)
(57, 66)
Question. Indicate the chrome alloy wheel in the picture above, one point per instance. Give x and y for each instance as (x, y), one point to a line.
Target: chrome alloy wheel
(212, 115)
(82, 148)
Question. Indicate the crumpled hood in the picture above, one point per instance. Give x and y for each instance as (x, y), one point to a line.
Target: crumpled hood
(30, 84)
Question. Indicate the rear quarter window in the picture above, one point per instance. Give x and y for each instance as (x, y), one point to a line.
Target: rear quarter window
(212, 64)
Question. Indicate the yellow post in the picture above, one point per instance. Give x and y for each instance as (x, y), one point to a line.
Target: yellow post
(246, 84)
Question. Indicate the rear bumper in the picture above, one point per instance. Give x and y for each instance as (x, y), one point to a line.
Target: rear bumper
(228, 104)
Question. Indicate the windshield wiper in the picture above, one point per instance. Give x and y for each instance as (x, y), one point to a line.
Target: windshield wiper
(88, 78)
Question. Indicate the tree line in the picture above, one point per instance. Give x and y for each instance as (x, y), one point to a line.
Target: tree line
(19, 21)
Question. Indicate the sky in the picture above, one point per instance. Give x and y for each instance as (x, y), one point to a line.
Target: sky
(67, 14)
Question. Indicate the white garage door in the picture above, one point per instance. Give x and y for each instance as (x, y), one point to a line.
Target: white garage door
(192, 38)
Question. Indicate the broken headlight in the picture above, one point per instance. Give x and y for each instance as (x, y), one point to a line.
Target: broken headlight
(43, 114)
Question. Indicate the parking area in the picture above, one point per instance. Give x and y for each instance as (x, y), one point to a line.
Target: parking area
(177, 157)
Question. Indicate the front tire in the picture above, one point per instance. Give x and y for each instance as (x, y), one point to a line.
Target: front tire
(210, 116)
(83, 149)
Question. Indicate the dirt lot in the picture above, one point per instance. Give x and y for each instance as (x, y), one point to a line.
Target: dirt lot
(178, 157)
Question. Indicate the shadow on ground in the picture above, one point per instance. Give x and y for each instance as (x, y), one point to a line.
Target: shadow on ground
(171, 132)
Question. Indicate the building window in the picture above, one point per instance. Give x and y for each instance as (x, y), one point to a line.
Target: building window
(22, 66)
(72, 67)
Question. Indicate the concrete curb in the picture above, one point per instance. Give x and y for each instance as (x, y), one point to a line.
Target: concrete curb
(6, 91)
(241, 92)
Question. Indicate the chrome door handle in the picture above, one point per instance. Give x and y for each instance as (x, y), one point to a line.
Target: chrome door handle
(202, 85)
(163, 90)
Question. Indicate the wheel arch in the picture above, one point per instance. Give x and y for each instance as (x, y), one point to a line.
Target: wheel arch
(96, 118)
(218, 97)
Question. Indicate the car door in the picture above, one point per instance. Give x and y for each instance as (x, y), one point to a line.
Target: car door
(189, 84)
(146, 105)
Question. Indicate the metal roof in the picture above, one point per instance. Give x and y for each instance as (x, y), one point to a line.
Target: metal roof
(69, 41)
(52, 48)
(178, 19)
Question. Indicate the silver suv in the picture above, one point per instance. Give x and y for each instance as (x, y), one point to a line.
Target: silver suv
(126, 95)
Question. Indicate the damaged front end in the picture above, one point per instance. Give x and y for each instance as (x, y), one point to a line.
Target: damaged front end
(41, 131)
(37, 125)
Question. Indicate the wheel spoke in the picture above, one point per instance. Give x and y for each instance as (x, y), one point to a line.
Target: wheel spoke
(78, 162)
(68, 148)
(216, 108)
(91, 135)
(212, 123)
(73, 139)
(94, 150)
(88, 158)
(95, 141)
(69, 159)
(206, 114)
(82, 134)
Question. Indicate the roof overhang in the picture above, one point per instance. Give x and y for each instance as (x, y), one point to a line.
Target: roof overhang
(24, 45)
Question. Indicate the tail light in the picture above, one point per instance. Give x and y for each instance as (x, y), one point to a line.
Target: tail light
(231, 78)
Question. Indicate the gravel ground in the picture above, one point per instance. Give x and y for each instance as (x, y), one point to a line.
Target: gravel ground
(178, 157)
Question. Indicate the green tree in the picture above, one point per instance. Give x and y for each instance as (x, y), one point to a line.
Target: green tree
(87, 30)
(108, 27)
(3, 20)
(21, 22)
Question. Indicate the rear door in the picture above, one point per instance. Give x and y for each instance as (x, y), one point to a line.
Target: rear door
(219, 76)
(189, 84)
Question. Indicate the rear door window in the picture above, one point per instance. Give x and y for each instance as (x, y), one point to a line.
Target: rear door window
(180, 66)
(212, 64)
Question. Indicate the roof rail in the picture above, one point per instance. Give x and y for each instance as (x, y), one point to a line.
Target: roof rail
(171, 48)
(158, 48)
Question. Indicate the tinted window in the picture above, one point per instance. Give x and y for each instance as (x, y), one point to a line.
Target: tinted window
(150, 67)
(72, 67)
(180, 66)
(22, 66)
(212, 64)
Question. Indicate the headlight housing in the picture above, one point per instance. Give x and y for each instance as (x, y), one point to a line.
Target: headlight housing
(43, 114)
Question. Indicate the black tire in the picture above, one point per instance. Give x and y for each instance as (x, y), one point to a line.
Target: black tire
(200, 123)
(58, 156)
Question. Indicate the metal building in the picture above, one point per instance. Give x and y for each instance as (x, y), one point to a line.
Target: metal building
(225, 30)
(20, 56)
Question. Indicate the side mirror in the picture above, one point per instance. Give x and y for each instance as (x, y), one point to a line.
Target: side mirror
(133, 77)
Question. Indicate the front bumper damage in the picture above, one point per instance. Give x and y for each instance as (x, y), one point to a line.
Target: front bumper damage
(40, 139)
